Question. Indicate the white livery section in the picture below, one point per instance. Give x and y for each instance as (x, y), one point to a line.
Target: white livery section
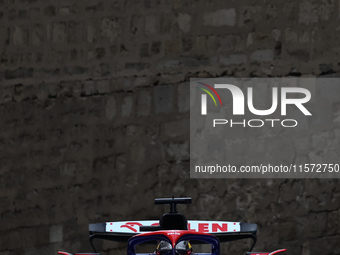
(129, 226)
(195, 225)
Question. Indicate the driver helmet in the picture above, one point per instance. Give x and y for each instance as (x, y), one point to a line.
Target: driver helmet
(164, 248)
(183, 248)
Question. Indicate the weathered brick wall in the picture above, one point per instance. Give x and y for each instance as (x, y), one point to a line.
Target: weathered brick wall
(94, 116)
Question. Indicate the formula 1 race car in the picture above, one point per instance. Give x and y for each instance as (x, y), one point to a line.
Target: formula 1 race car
(173, 234)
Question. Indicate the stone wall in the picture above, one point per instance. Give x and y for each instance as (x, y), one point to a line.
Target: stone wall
(94, 109)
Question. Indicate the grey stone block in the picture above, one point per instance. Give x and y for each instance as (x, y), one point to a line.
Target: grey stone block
(143, 103)
(262, 56)
(224, 17)
(163, 99)
(110, 108)
(56, 234)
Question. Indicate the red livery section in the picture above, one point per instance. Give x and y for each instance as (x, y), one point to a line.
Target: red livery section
(266, 253)
(173, 235)
(203, 227)
(67, 253)
(216, 227)
(277, 251)
(259, 253)
(130, 225)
